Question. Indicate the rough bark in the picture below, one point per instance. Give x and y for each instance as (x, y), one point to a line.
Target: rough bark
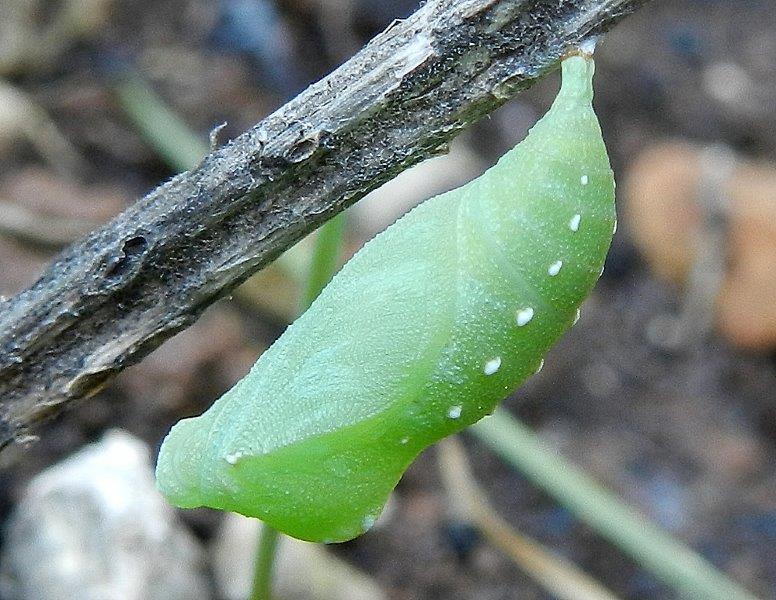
(110, 299)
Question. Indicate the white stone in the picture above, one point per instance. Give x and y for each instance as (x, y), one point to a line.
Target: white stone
(95, 527)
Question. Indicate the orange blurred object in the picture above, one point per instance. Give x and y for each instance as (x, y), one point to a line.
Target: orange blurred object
(666, 213)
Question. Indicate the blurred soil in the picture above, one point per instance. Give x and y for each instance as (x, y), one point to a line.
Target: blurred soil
(688, 435)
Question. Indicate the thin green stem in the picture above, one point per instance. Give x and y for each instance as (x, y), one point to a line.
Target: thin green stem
(265, 560)
(178, 145)
(670, 560)
(325, 259)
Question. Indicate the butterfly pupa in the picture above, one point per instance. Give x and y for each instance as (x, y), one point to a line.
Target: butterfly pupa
(420, 334)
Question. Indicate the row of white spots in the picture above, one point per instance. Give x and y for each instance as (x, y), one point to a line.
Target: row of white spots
(525, 315)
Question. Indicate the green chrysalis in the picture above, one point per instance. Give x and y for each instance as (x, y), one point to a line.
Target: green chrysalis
(421, 334)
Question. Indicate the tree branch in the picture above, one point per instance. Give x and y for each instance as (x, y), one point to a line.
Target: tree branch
(113, 297)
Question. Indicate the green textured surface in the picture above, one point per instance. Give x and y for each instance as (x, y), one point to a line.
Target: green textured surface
(392, 355)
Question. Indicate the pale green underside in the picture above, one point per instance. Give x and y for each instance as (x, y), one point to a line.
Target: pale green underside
(319, 432)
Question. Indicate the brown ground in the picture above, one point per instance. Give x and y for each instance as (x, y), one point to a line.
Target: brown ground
(689, 437)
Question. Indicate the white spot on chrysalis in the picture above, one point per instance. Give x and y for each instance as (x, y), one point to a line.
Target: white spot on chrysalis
(554, 268)
(368, 522)
(233, 458)
(574, 223)
(492, 365)
(601, 272)
(524, 316)
(584, 180)
(404, 440)
(614, 227)
(540, 367)
(454, 411)
(576, 317)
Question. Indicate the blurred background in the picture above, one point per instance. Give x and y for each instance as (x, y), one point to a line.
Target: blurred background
(664, 392)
